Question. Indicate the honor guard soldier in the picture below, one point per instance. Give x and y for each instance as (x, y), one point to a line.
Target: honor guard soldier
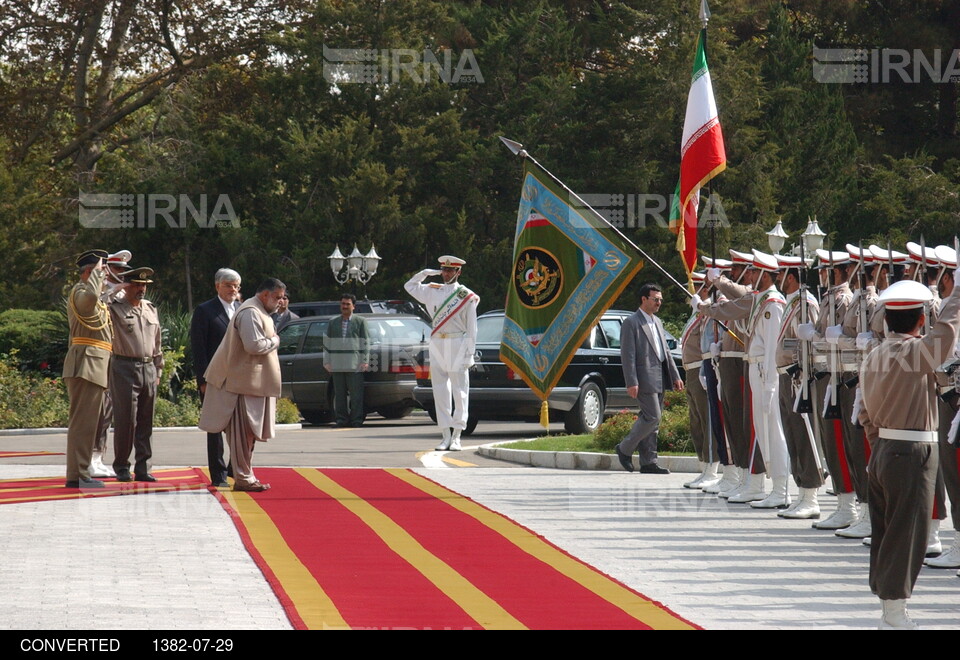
(797, 403)
(134, 375)
(452, 344)
(697, 405)
(834, 270)
(948, 387)
(900, 417)
(733, 310)
(86, 367)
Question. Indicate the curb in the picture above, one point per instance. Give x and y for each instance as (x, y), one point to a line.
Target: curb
(577, 460)
(156, 429)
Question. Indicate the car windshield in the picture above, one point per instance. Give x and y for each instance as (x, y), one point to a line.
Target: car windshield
(399, 331)
(489, 329)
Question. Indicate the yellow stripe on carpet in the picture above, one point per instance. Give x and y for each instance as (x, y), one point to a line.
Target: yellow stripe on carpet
(480, 607)
(633, 604)
(310, 600)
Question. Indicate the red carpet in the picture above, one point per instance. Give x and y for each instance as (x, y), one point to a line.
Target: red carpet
(16, 454)
(388, 549)
(52, 488)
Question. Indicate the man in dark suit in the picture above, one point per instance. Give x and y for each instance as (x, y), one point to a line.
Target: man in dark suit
(647, 368)
(346, 355)
(207, 328)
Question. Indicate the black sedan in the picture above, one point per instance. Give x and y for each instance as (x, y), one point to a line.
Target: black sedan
(592, 386)
(396, 344)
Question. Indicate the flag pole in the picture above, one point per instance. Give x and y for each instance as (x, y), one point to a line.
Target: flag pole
(517, 149)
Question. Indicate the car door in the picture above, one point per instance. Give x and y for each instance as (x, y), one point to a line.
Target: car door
(310, 380)
(617, 397)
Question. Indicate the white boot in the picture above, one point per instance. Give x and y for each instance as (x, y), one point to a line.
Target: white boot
(779, 497)
(97, 469)
(729, 481)
(895, 616)
(844, 516)
(695, 483)
(711, 476)
(753, 491)
(950, 558)
(806, 508)
(445, 443)
(862, 529)
(455, 440)
(934, 547)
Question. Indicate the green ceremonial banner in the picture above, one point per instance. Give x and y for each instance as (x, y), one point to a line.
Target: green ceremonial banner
(569, 265)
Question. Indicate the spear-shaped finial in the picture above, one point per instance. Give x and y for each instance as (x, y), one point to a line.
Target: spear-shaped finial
(704, 13)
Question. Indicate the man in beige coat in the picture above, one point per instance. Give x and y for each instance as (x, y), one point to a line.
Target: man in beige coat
(243, 382)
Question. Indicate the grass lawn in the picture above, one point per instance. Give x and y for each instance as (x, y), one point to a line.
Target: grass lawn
(569, 443)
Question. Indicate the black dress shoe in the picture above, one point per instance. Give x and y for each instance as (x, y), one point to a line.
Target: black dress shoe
(145, 477)
(653, 468)
(84, 483)
(123, 475)
(625, 461)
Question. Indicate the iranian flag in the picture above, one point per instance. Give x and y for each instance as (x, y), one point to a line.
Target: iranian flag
(702, 155)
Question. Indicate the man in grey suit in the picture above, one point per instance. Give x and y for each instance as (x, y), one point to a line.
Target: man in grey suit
(647, 367)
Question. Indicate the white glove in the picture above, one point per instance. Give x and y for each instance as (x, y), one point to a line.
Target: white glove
(863, 340)
(956, 277)
(833, 333)
(695, 302)
(703, 378)
(857, 407)
(954, 427)
(715, 350)
(712, 274)
(806, 332)
(429, 272)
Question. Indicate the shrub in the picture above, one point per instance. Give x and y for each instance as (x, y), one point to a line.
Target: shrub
(613, 430)
(39, 337)
(185, 411)
(287, 412)
(30, 400)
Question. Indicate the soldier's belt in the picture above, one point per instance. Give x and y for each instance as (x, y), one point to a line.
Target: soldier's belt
(692, 365)
(910, 436)
(87, 341)
(450, 335)
(139, 360)
(706, 356)
(732, 354)
(753, 359)
(791, 344)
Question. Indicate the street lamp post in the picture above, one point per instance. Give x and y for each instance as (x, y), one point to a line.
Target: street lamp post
(359, 267)
(776, 237)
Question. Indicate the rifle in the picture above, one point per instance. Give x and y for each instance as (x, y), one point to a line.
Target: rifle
(804, 403)
(923, 281)
(861, 311)
(832, 410)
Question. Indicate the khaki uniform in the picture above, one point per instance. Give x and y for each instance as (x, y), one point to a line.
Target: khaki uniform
(134, 372)
(834, 431)
(802, 449)
(900, 417)
(734, 374)
(692, 357)
(86, 370)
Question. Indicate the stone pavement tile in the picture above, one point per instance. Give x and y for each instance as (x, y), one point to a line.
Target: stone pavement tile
(159, 561)
(717, 564)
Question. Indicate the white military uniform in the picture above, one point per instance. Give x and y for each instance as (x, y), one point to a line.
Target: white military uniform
(453, 308)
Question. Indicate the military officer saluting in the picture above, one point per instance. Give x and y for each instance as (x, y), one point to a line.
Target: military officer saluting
(900, 418)
(134, 375)
(86, 367)
(452, 343)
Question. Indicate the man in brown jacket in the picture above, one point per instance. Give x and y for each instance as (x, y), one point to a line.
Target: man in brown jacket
(243, 382)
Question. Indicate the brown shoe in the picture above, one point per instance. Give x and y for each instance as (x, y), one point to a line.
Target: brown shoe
(255, 487)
